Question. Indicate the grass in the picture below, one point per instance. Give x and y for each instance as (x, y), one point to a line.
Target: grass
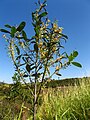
(68, 103)
(60, 103)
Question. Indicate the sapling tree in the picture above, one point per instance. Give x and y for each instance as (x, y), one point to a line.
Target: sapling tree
(34, 57)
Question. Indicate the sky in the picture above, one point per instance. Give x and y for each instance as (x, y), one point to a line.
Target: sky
(72, 15)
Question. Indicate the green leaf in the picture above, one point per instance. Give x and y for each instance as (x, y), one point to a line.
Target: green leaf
(33, 17)
(5, 31)
(71, 57)
(44, 2)
(43, 14)
(68, 63)
(33, 42)
(77, 64)
(25, 76)
(8, 26)
(37, 29)
(58, 74)
(32, 64)
(33, 75)
(32, 67)
(36, 48)
(34, 24)
(65, 36)
(24, 35)
(28, 68)
(18, 57)
(21, 26)
(66, 55)
(19, 37)
(17, 49)
(13, 31)
(75, 53)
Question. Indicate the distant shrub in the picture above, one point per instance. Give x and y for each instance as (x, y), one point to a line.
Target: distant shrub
(67, 82)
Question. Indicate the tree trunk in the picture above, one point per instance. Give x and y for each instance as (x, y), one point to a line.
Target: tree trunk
(24, 116)
(35, 102)
(35, 109)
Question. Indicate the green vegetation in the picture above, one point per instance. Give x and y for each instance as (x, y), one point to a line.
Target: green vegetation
(70, 102)
(66, 103)
(34, 57)
(67, 82)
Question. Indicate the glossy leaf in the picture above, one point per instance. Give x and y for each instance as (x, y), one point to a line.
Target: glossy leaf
(75, 54)
(32, 67)
(23, 58)
(77, 64)
(32, 64)
(24, 35)
(34, 25)
(37, 29)
(58, 74)
(71, 57)
(5, 31)
(25, 76)
(36, 48)
(33, 75)
(44, 2)
(33, 17)
(13, 31)
(18, 57)
(28, 68)
(65, 36)
(43, 14)
(68, 63)
(17, 49)
(8, 26)
(33, 42)
(19, 37)
(21, 26)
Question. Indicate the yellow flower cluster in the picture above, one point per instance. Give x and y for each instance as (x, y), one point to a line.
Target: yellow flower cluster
(52, 37)
(56, 35)
(43, 29)
(43, 51)
(11, 49)
(22, 44)
(43, 34)
(57, 68)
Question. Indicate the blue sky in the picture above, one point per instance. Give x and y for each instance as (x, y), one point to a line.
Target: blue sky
(72, 15)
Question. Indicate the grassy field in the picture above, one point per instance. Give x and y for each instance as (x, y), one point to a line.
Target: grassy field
(61, 102)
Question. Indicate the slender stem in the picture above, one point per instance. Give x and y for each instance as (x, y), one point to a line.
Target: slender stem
(41, 84)
(35, 88)
(22, 77)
